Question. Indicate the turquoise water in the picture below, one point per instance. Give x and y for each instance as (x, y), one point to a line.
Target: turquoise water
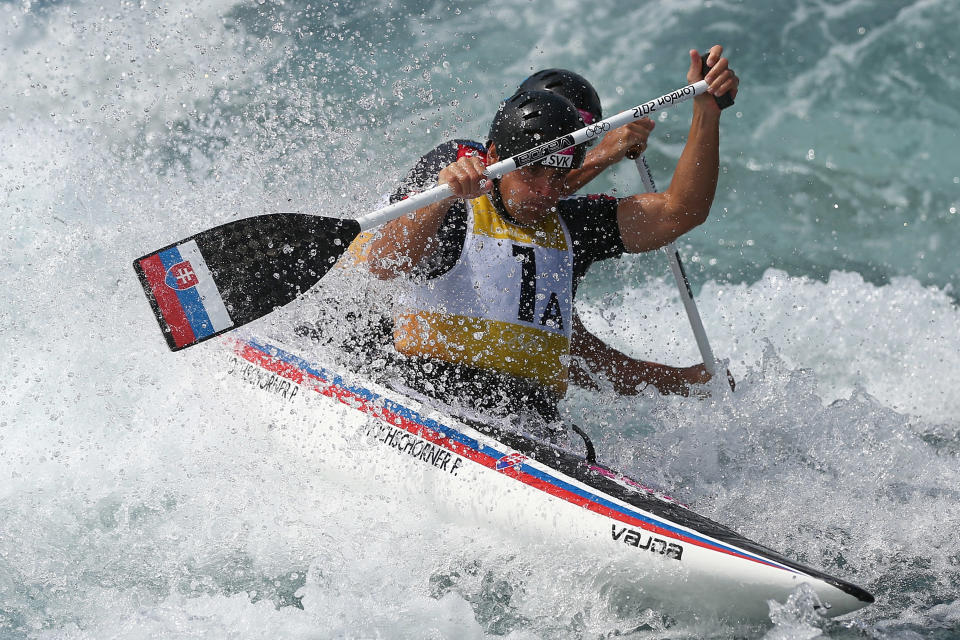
(140, 495)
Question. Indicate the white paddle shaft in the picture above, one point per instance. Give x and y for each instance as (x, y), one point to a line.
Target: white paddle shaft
(683, 284)
(589, 132)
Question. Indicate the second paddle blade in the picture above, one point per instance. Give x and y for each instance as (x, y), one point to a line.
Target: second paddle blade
(225, 277)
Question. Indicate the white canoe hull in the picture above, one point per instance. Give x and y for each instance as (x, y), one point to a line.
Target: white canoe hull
(676, 560)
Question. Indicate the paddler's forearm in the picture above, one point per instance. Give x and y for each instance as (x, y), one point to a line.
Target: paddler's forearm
(611, 149)
(629, 376)
(649, 221)
(694, 182)
(601, 358)
(595, 163)
(404, 242)
(401, 244)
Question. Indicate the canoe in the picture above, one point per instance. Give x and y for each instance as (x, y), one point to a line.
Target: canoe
(536, 493)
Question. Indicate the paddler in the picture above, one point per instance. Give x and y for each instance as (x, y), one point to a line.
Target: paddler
(486, 317)
(628, 375)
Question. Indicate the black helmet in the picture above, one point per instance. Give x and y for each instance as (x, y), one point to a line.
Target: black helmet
(571, 86)
(531, 118)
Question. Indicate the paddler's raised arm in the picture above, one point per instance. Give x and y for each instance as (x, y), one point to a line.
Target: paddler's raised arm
(628, 140)
(402, 244)
(651, 220)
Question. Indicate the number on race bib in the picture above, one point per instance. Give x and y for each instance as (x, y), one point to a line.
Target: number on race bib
(528, 282)
(552, 314)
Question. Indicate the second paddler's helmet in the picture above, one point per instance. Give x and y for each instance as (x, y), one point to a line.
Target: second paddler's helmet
(571, 86)
(531, 118)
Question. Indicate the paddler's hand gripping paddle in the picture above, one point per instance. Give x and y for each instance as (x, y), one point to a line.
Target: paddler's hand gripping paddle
(724, 101)
(225, 277)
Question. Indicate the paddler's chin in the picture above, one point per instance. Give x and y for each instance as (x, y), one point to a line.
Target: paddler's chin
(531, 211)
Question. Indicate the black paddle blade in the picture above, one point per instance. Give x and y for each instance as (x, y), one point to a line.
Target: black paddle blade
(225, 277)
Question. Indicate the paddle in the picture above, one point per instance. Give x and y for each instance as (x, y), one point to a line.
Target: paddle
(683, 284)
(673, 255)
(225, 277)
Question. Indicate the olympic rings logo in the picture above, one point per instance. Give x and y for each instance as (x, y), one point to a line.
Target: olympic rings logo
(598, 129)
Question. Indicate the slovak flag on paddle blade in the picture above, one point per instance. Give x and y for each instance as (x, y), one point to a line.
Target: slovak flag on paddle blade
(188, 304)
